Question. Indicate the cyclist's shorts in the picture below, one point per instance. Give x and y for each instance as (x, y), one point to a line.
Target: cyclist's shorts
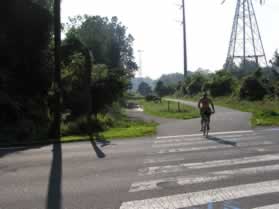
(206, 112)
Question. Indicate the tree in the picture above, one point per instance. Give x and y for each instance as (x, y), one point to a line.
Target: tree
(144, 89)
(113, 54)
(160, 89)
(252, 89)
(222, 84)
(24, 68)
(173, 78)
(275, 73)
(195, 84)
(110, 43)
(75, 74)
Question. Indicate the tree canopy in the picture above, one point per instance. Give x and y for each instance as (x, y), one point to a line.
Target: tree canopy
(144, 89)
(25, 72)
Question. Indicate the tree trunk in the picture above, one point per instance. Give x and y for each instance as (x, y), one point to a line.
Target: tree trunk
(88, 65)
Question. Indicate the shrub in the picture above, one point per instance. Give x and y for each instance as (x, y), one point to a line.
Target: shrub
(222, 84)
(252, 89)
(152, 98)
(276, 88)
(221, 87)
(195, 86)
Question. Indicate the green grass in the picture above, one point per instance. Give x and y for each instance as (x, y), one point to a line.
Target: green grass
(122, 128)
(136, 129)
(265, 113)
(161, 110)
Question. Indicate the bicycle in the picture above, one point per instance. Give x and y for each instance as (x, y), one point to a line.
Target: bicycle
(205, 125)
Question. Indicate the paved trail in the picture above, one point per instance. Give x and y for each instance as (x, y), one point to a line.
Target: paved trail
(236, 168)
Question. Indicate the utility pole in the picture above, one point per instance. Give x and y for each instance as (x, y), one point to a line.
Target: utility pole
(140, 62)
(184, 40)
(57, 71)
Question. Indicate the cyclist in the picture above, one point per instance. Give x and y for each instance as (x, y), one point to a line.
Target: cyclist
(205, 110)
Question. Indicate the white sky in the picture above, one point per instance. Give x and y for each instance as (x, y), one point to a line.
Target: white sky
(157, 31)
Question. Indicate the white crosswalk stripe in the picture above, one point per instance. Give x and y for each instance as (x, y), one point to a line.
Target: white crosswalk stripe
(202, 141)
(213, 133)
(199, 138)
(208, 164)
(191, 149)
(203, 197)
(274, 206)
(163, 160)
(210, 177)
(165, 176)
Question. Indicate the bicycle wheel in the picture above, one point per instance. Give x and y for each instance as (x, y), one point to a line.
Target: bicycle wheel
(205, 127)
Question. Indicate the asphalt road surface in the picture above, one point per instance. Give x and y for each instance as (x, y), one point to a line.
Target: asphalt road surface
(235, 168)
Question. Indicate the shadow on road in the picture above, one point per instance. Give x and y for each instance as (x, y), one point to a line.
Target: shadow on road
(98, 151)
(8, 151)
(54, 196)
(222, 141)
(102, 141)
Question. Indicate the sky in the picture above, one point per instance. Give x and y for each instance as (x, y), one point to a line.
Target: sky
(157, 29)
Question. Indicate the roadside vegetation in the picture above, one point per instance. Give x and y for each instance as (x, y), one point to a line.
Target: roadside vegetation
(245, 87)
(152, 103)
(123, 128)
(30, 89)
(113, 125)
(167, 109)
(265, 112)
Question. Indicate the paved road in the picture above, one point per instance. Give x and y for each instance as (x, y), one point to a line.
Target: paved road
(238, 169)
(223, 120)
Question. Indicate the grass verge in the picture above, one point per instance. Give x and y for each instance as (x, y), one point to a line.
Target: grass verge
(175, 110)
(122, 128)
(131, 130)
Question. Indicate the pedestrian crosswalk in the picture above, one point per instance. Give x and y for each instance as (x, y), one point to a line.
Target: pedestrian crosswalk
(192, 172)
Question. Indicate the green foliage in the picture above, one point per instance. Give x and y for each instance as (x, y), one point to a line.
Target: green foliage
(152, 98)
(113, 58)
(244, 69)
(195, 84)
(172, 78)
(75, 75)
(276, 88)
(107, 87)
(161, 110)
(144, 89)
(265, 112)
(162, 90)
(252, 89)
(222, 84)
(24, 68)
(107, 38)
(135, 82)
(110, 127)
